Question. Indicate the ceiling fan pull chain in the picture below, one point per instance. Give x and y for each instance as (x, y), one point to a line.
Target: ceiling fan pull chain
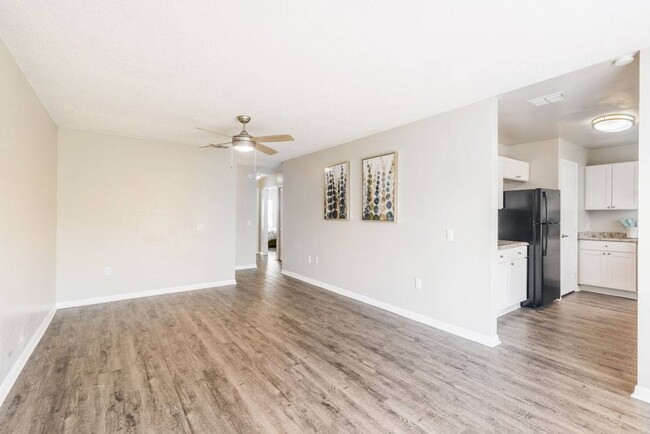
(255, 161)
(232, 151)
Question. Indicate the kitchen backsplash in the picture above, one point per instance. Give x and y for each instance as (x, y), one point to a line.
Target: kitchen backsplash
(609, 221)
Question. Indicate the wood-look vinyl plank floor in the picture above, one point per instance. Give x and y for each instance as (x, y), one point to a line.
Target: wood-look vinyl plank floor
(273, 354)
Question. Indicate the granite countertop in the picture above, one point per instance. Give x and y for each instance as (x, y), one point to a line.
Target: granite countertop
(606, 236)
(504, 244)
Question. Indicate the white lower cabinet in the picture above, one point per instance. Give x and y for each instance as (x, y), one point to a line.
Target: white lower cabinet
(511, 279)
(608, 264)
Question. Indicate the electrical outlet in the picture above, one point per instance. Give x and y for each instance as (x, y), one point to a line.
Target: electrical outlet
(199, 227)
(248, 223)
(309, 259)
(317, 259)
(108, 271)
(418, 283)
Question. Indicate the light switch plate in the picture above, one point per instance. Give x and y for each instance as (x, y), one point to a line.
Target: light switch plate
(449, 234)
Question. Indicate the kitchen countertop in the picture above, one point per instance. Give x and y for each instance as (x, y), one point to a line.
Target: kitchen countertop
(504, 244)
(606, 236)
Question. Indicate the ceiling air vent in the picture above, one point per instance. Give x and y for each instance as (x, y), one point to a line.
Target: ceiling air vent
(546, 99)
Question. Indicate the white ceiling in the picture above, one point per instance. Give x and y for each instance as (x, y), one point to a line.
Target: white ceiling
(590, 92)
(326, 72)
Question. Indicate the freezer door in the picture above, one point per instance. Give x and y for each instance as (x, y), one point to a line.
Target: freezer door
(550, 206)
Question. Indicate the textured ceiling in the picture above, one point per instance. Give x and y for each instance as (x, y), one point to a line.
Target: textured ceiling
(326, 72)
(590, 92)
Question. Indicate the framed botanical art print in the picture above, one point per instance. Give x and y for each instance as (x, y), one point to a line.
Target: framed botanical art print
(337, 180)
(378, 187)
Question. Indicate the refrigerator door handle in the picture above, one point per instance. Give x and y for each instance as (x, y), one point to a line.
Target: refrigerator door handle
(545, 206)
(545, 242)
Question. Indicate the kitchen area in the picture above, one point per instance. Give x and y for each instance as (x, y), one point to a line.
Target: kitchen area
(568, 188)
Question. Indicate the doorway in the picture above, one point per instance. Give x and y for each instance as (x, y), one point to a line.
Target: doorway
(269, 220)
(568, 184)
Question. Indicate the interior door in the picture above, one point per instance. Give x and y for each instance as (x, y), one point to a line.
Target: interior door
(569, 225)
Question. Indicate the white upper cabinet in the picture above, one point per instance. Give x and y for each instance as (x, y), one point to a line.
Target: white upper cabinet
(611, 186)
(514, 169)
(625, 177)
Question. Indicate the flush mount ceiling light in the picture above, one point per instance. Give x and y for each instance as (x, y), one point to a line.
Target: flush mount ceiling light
(614, 123)
(624, 60)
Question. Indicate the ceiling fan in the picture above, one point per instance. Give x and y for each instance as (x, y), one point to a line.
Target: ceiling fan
(244, 142)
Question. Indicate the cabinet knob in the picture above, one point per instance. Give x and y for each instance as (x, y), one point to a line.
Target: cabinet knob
(512, 263)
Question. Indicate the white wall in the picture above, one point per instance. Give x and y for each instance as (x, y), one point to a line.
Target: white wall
(133, 205)
(27, 216)
(643, 364)
(614, 154)
(543, 157)
(447, 173)
(576, 153)
(246, 220)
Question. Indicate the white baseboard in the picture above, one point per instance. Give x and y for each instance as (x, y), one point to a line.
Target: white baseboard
(490, 341)
(18, 366)
(508, 309)
(140, 294)
(245, 267)
(641, 393)
(608, 291)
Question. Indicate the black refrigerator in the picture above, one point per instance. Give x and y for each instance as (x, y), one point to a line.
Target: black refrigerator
(534, 216)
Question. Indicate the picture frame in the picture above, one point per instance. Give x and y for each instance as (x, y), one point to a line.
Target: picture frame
(379, 188)
(336, 191)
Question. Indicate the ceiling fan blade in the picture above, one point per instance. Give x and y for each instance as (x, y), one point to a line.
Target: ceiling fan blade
(217, 145)
(276, 138)
(265, 149)
(213, 132)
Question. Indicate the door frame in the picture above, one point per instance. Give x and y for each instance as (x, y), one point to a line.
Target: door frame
(574, 254)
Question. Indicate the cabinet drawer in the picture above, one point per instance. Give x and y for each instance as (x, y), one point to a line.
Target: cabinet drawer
(608, 246)
(513, 254)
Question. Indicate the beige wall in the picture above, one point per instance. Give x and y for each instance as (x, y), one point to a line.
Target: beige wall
(543, 157)
(246, 220)
(615, 154)
(643, 364)
(447, 175)
(133, 205)
(27, 215)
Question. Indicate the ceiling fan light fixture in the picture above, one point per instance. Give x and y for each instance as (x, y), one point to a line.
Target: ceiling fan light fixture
(614, 123)
(244, 147)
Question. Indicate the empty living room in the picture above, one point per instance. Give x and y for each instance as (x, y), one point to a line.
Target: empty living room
(314, 216)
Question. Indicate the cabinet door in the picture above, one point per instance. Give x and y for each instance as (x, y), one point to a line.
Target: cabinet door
(592, 269)
(501, 285)
(624, 185)
(517, 287)
(598, 187)
(523, 171)
(621, 271)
